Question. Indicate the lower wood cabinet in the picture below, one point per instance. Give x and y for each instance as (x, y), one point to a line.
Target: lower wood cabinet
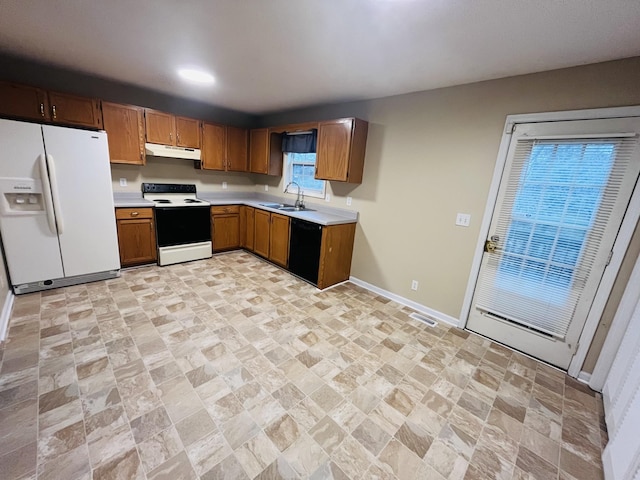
(136, 236)
(247, 227)
(279, 239)
(262, 230)
(335, 254)
(225, 227)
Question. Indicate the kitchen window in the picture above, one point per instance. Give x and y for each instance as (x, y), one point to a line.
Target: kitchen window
(300, 168)
(299, 151)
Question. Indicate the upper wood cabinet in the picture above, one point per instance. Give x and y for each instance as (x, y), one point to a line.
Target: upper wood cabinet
(166, 129)
(224, 148)
(237, 149)
(22, 101)
(124, 125)
(341, 149)
(265, 152)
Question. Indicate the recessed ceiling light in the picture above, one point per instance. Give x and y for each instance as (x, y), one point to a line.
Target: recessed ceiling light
(196, 76)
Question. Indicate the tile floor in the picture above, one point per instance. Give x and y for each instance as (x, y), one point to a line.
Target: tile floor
(230, 368)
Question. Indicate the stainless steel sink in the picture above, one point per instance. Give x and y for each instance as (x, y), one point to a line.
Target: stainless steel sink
(285, 207)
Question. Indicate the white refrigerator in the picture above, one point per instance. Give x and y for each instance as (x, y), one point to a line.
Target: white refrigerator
(57, 218)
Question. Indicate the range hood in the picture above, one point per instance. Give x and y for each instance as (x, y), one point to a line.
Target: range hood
(172, 152)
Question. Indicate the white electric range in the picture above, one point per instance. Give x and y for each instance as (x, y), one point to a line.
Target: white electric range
(183, 222)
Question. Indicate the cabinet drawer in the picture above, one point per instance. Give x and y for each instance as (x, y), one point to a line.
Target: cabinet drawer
(222, 209)
(125, 213)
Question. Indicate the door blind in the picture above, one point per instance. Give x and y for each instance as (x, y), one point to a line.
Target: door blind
(559, 197)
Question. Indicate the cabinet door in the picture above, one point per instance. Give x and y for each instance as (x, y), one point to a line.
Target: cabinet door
(237, 149)
(71, 109)
(226, 232)
(137, 241)
(23, 102)
(259, 151)
(250, 232)
(187, 132)
(160, 127)
(124, 125)
(262, 223)
(213, 146)
(335, 254)
(334, 145)
(279, 242)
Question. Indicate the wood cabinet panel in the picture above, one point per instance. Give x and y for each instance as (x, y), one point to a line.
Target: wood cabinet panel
(71, 109)
(187, 132)
(247, 227)
(225, 209)
(226, 232)
(159, 127)
(341, 150)
(214, 140)
(279, 239)
(136, 236)
(259, 151)
(262, 229)
(22, 101)
(335, 254)
(124, 125)
(237, 149)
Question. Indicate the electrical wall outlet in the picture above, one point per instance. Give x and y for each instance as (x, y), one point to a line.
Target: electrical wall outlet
(327, 198)
(463, 219)
(414, 285)
(349, 200)
(266, 188)
(123, 182)
(224, 185)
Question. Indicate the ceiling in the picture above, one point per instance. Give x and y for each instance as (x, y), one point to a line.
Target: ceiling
(273, 55)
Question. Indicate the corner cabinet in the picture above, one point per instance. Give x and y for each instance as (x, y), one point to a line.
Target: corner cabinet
(265, 152)
(23, 101)
(224, 148)
(225, 227)
(124, 125)
(136, 236)
(341, 149)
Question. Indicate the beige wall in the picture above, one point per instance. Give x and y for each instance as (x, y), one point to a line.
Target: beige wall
(432, 154)
(164, 170)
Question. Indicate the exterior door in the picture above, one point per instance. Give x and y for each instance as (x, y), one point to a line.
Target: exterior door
(564, 192)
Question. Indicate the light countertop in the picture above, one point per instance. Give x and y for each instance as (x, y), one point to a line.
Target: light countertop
(321, 215)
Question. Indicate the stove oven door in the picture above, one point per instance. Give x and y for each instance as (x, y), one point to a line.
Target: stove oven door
(182, 225)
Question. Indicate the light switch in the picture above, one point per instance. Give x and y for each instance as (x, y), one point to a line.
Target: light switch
(266, 188)
(463, 219)
(349, 200)
(224, 185)
(327, 198)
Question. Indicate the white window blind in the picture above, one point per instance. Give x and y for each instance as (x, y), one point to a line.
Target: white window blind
(559, 196)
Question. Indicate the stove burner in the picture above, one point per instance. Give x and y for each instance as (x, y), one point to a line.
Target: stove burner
(191, 200)
(162, 200)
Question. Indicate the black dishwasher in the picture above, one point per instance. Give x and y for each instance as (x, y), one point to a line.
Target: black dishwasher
(304, 249)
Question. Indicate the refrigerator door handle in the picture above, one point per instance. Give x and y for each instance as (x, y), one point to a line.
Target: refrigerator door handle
(46, 190)
(54, 194)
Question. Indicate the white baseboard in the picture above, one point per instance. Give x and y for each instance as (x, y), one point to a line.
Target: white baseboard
(5, 315)
(443, 317)
(584, 377)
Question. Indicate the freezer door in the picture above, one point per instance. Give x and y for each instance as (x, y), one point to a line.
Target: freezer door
(31, 247)
(80, 177)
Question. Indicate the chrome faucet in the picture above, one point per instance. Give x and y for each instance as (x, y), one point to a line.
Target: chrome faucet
(299, 202)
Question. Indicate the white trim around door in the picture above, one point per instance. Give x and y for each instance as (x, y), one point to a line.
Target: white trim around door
(620, 246)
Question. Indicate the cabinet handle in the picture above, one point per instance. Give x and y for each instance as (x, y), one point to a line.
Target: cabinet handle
(170, 137)
(53, 109)
(42, 109)
(135, 214)
(178, 136)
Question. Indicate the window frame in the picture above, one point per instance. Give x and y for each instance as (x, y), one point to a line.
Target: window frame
(288, 177)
